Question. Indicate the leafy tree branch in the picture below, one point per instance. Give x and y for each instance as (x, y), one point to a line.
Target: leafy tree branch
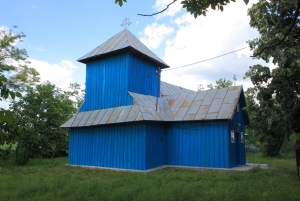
(285, 35)
(159, 11)
(195, 7)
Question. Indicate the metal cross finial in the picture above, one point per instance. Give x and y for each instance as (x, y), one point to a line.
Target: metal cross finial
(234, 79)
(125, 23)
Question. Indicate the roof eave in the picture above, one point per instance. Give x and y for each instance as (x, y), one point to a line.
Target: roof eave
(124, 50)
(157, 121)
(244, 104)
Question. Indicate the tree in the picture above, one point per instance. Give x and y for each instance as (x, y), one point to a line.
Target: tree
(14, 77)
(221, 83)
(275, 96)
(269, 122)
(40, 113)
(198, 7)
(77, 94)
(13, 65)
(274, 35)
(195, 7)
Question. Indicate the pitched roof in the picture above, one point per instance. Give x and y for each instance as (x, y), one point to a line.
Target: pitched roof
(205, 105)
(169, 89)
(213, 104)
(122, 42)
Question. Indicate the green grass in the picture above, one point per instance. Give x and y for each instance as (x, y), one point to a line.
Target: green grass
(48, 179)
(286, 161)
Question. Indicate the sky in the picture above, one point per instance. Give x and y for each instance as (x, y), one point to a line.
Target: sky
(60, 32)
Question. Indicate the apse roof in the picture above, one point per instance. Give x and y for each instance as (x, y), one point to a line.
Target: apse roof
(216, 104)
(122, 42)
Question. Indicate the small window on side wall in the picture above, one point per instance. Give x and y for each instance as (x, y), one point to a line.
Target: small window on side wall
(232, 137)
(238, 108)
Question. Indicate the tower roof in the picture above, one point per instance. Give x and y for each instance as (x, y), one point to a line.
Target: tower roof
(124, 41)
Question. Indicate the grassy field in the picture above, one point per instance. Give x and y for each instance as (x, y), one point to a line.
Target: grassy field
(47, 179)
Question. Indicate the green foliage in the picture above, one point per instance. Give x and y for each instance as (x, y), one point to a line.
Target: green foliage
(40, 113)
(21, 156)
(48, 179)
(221, 83)
(272, 19)
(252, 138)
(36, 117)
(76, 93)
(200, 7)
(15, 75)
(273, 102)
(120, 2)
(14, 78)
(268, 119)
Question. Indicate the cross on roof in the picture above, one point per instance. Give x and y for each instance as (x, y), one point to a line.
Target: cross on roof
(234, 79)
(125, 23)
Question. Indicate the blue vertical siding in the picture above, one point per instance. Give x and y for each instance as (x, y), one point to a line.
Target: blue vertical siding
(142, 76)
(151, 144)
(155, 145)
(147, 145)
(118, 146)
(200, 144)
(107, 83)
(237, 150)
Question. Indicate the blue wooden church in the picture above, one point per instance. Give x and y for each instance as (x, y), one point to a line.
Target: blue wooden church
(131, 120)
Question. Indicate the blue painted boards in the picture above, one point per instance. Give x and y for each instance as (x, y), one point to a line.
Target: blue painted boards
(108, 81)
(198, 144)
(121, 146)
(237, 150)
(156, 145)
(149, 145)
(142, 77)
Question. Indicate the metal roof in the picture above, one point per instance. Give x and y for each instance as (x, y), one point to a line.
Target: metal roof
(168, 89)
(121, 42)
(203, 105)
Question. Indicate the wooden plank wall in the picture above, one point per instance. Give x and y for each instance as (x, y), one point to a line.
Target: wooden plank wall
(121, 146)
(237, 150)
(198, 144)
(108, 81)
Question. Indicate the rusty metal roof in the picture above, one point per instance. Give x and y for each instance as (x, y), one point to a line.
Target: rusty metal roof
(194, 106)
(205, 105)
(122, 42)
(169, 89)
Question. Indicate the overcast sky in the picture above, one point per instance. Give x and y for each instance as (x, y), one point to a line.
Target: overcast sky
(60, 32)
